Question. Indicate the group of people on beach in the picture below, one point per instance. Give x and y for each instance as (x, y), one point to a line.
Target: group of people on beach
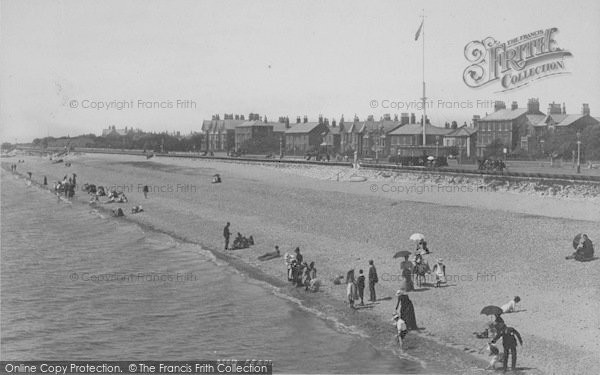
(66, 186)
(355, 286)
(301, 273)
(240, 241)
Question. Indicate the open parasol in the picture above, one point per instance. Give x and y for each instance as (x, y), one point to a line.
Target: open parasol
(491, 310)
(417, 237)
(402, 254)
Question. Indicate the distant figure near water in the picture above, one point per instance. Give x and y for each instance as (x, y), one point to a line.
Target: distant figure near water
(351, 289)
(407, 310)
(226, 234)
(373, 279)
(145, 189)
(269, 256)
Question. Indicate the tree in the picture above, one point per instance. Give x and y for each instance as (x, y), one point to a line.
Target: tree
(590, 143)
(454, 125)
(495, 149)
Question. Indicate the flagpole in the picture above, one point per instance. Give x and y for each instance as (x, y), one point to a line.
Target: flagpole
(424, 97)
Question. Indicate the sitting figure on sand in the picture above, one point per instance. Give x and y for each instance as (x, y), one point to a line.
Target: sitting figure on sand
(584, 250)
(511, 306)
(216, 179)
(241, 242)
(137, 209)
(118, 212)
(271, 255)
(116, 197)
(439, 271)
(100, 191)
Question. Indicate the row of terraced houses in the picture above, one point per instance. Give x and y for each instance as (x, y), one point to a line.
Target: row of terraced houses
(517, 128)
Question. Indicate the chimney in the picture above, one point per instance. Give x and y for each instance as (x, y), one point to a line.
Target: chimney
(413, 119)
(333, 123)
(475, 119)
(498, 105)
(387, 117)
(404, 119)
(514, 106)
(342, 120)
(305, 119)
(564, 112)
(298, 120)
(585, 110)
(554, 109)
(533, 106)
(320, 119)
(370, 118)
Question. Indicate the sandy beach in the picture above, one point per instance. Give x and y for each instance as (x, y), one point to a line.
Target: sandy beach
(495, 244)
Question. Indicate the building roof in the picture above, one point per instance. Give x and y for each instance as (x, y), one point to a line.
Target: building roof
(505, 115)
(216, 125)
(569, 119)
(334, 129)
(305, 127)
(249, 124)
(417, 129)
(279, 127)
(537, 120)
(556, 117)
(462, 132)
(389, 125)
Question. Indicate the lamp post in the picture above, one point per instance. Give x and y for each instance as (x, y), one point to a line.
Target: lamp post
(578, 152)
(437, 144)
(280, 147)
(542, 143)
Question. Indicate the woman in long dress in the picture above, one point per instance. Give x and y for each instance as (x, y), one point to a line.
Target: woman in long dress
(407, 310)
(351, 289)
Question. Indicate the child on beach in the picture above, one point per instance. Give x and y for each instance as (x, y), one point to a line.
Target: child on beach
(360, 283)
(497, 357)
(511, 306)
(401, 330)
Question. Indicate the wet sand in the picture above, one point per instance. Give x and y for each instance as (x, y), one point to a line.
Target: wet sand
(495, 245)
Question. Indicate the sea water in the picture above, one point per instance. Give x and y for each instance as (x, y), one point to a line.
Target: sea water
(77, 284)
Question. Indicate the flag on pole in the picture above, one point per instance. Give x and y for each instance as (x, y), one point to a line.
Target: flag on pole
(419, 31)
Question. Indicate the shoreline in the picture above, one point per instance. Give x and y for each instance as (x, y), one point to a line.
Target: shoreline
(282, 234)
(369, 327)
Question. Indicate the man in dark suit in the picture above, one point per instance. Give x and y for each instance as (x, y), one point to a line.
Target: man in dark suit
(373, 279)
(226, 234)
(509, 338)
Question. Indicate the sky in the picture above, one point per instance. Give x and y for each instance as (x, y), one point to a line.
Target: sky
(169, 65)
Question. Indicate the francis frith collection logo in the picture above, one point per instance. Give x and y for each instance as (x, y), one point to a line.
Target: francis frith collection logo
(514, 63)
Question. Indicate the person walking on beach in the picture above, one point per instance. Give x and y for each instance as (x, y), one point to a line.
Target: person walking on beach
(298, 269)
(351, 290)
(509, 338)
(407, 310)
(226, 234)
(373, 279)
(401, 330)
(360, 283)
(145, 189)
(406, 267)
